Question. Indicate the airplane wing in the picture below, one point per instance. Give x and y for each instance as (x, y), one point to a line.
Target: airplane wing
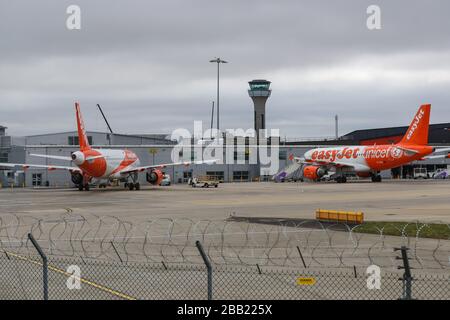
(439, 156)
(339, 164)
(51, 157)
(39, 166)
(442, 150)
(63, 158)
(164, 165)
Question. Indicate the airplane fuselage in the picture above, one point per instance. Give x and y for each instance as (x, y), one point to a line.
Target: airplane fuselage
(109, 165)
(368, 158)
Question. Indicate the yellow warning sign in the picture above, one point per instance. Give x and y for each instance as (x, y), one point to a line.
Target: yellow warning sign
(301, 281)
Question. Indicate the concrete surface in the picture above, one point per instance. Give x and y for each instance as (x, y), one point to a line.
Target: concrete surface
(423, 200)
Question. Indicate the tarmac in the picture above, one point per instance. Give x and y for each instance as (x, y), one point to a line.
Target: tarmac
(184, 214)
(394, 200)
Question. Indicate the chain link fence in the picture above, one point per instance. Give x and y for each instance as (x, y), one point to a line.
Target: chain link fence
(21, 277)
(91, 257)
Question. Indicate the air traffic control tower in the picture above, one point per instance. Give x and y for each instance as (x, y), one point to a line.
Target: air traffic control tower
(259, 92)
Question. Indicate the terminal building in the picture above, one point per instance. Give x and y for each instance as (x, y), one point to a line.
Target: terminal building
(158, 148)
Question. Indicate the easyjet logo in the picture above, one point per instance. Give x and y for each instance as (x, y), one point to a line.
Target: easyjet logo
(333, 154)
(415, 124)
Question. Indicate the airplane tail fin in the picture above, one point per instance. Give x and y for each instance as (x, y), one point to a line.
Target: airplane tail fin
(82, 137)
(417, 132)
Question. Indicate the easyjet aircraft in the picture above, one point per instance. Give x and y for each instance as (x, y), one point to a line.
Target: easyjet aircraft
(368, 161)
(103, 164)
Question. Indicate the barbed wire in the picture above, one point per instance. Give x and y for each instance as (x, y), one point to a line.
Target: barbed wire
(237, 240)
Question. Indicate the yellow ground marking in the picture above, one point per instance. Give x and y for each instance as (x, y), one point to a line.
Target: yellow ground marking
(90, 283)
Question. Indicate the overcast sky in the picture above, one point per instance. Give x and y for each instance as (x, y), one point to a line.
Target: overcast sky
(146, 63)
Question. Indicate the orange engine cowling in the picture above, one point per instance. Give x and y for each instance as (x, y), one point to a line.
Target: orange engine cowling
(155, 177)
(313, 172)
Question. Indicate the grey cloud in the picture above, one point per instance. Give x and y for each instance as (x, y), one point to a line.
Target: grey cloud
(147, 63)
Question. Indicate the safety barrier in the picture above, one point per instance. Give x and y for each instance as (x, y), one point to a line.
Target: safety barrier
(340, 216)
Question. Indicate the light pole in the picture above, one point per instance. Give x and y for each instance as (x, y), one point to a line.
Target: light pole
(218, 61)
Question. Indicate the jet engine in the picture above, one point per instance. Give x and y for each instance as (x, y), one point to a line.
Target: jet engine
(155, 177)
(77, 178)
(78, 157)
(313, 172)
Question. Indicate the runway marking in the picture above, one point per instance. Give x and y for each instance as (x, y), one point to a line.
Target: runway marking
(88, 282)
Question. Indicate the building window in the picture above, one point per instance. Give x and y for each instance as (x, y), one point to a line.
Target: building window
(240, 176)
(186, 176)
(74, 141)
(241, 155)
(216, 175)
(36, 179)
(3, 157)
(282, 155)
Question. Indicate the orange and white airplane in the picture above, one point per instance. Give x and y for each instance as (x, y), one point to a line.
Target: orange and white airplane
(103, 164)
(368, 161)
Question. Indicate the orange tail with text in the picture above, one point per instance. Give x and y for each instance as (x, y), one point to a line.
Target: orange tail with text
(417, 133)
(82, 137)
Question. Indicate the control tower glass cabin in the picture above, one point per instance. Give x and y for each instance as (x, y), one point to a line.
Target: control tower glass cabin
(259, 92)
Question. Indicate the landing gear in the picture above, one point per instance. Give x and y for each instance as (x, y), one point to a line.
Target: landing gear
(82, 187)
(376, 178)
(133, 185)
(341, 179)
(83, 182)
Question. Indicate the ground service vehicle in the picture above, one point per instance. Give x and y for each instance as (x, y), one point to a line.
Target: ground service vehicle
(204, 182)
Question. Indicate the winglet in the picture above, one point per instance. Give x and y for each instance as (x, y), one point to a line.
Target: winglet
(417, 133)
(82, 137)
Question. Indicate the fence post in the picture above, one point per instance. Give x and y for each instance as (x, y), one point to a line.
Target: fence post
(44, 264)
(208, 267)
(301, 256)
(407, 277)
